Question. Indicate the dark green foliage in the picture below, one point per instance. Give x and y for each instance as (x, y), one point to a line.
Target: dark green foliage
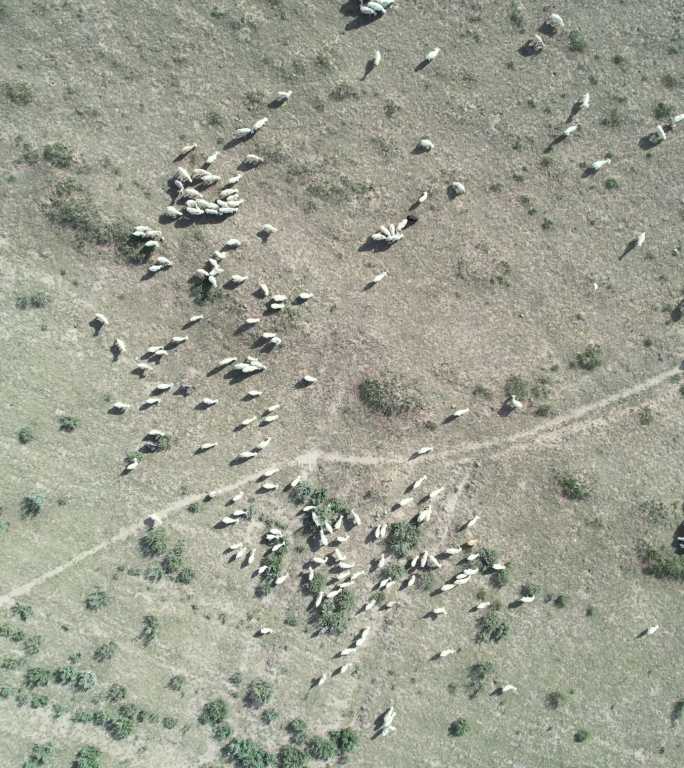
(544, 410)
(492, 628)
(203, 292)
(31, 506)
(105, 652)
(58, 155)
(85, 680)
(22, 610)
(572, 488)
(35, 300)
(459, 727)
(274, 562)
(611, 184)
(677, 711)
(64, 675)
(121, 726)
(581, 735)
(185, 575)
(645, 416)
(116, 693)
(613, 119)
(213, 712)
(5, 692)
(96, 599)
(41, 754)
(334, 614)
(517, 387)
(173, 560)
(662, 111)
(529, 590)
(194, 508)
(662, 563)
(394, 571)
(402, 538)
(246, 753)
(32, 644)
(38, 701)
(269, 716)
(561, 601)
(259, 692)
(346, 740)
(154, 542)
(554, 699)
(150, 629)
(176, 683)
(576, 41)
(19, 93)
(386, 397)
(11, 632)
(297, 729)
(590, 359)
(291, 757)
(425, 581)
(488, 557)
(317, 584)
(169, 722)
(10, 663)
(36, 676)
(68, 423)
(321, 748)
(222, 732)
(477, 674)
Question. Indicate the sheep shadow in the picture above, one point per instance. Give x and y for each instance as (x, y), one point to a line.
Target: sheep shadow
(649, 141)
(236, 141)
(116, 352)
(360, 21)
(422, 65)
(370, 66)
(554, 143)
(528, 51)
(631, 245)
(375, 246)
(97, 326)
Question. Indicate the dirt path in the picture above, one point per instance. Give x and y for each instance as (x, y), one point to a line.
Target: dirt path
(311, 458)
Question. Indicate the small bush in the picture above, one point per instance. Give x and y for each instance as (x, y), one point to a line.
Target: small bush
(19, 93)
(402, 538)
(554, 699)
(58, 155)
(572, 488)
(64, 675)
(459, 727)
(154, 542)
(576, 41)
(32, 644)
(346, 740)
(222, 732)
(41, 754)
(116, 693)
(517, 16)
(297, 729)
(517, 387)
(120, 727)
(488, 557)
(85, 680)
(663, 111)
(31, 506)
(194, 508)
(22, 611)
(663, 564)
(259, 692)
(334, 614)
(25, 435)
(269, 716)
(385, 396)
(176, 683)
(96, 599)
(581, 735)
(36, 677)
(590, 358)
(213, 712)
(169, 722)
(477, 674)
(677, 711)
(645, 416)
(611, 184)
(68, 423)
(150, 629)
(246, 753)
(561, 601)
(317, 583)
(291, 757)
(492, 628)
(105, 652)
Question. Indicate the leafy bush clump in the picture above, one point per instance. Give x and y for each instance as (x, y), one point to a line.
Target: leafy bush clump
(334, 614)
(58, 155)
(321, 748)
(25, 435)
(346, 740)
(386, 397)
(213, 712)
(459, 727)
(477, 675)
(85, 680)
(581, 735)
(105, 652)
(291, 757)
(572, 488)
(662, 563)
(41, 754)
(297, 729)
(577, 41)
(154, 542)
(176, 683)
(19, 93)
(222, 732)
(31, 506)
(487, 558)
(662, 111)
(259, 692)
(517, 387)
(246, 753)
(22, 610)
(68, 423)
(96, 599)
(35, 300)
(492, 628)
(554, 699)
(402, 538)
(64, 675)
(36, 677)
(116, 693)
(150, 629)
(590, 358)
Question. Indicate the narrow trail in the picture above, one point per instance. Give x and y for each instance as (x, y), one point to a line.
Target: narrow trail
(312, 457)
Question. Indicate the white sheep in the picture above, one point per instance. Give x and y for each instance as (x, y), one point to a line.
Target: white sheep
(555, 22)
(457, 188)
(178, 339)
(570, 130)
(426, 145)
(265, 631)
(152, 401)
(283, 96)
(207, 446)
(640, 239)
(432, 55)
(459, 413)
(439, 611)
(446, 652)
(437, 491)
(119, 346)
(187, 149)
(598, 164)
(652, 630)
(660, 132)
(424, 450)
(253, 160)
(308, 379)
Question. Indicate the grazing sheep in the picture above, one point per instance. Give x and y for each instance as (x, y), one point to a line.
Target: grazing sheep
(254, 393)
(265, 631)
(426, 145)
(263, 444)
(118, 346)
(555, 22)
(453, 551)
(424, 450)
(152, 401)
(598, 164)
(308, 380)
(207, 402)
(660, 133)
(267, 229)
(246, 455)
(163, 387)
(434, 494)
(570, 130)
(225, 361)
(447, 587)
(207, 446)
(321, 680)
(405, 501)
(424, 515)
(482, 606)
(195, 319)
(457, 188)
(439, 611)
(187, 149)
(509, 688)
(641, 237)
(283, 96)
(270, 418)
(527, 599)
(238, 279)
(178, 339)
(252, 320)
(459, 413)
(652, 630)
(446, 652)
(498, 567)
(101, 319)
(514, 403)
(211, 158)
(253, 160)
(432, 55)
(584, 102)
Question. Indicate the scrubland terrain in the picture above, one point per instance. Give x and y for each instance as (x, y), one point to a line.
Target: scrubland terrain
(125, 647)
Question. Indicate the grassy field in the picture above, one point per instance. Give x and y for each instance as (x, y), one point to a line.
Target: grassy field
(491, 293)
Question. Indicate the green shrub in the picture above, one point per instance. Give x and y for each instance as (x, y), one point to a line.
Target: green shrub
(150, 629)
(22, 610)
(611, 184)
(64, 675)
(85, 680)
(10, 663)
(194, 508)
(25, 435)
(169, 722)
(291, 757)
(554, 699)
(116, 693)
(154, 542)
(32, 644)
(19, 93)
(517, 387)
(176, 683)
(488, 557)
(459, 727)
(120, 727)
(38, 701)
(677, 711)
(297, 729)
(105, 652)
(321, 748)
(334, 614)
(41, 754)
(317, 583)
(31, 506)
(477, 674)
(590, 359)
(663, 111)
(492, 627)
(259, 692)
(222, 732)
(529, 590)
(581, 735)
(385, 396)
(572, 488)
(96, 599)
(576, 41)
(58, 155)
(402, 538)
(35, 677)
(346, 740)
(68, 423)
(213, 712)
(663, 564)
(269, 716)
(246, 753)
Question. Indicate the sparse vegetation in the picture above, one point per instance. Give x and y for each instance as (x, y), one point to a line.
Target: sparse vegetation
(25, 435)
(58, 155)
(259, 693)
(68, 423)
(96, 599)
(662, 563)
(213, 712)
(554, 699)
(32, 506)
(19, 93)
(577, 41)
(590, 358)
(150, 629)
(385, 396)
(477, 674)
(492, 627)
(572, 488)
(663, 111)
(581, 735)
(459, 727)
(611, 184)
(402, 538)
(35, 300)
(334, 614)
